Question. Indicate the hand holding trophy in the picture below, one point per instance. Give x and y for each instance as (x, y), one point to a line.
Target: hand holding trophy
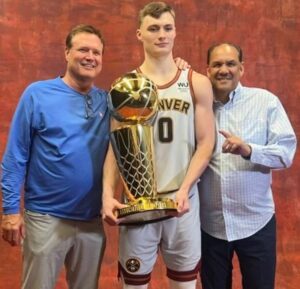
(133, 102)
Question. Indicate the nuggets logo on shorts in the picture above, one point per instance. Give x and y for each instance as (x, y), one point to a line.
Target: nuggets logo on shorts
(133, 265)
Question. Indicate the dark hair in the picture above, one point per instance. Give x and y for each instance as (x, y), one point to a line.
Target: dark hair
(82, 28)
(238, 48)
(155, 10)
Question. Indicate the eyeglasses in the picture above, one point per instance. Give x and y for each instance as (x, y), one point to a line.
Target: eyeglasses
(88, 106)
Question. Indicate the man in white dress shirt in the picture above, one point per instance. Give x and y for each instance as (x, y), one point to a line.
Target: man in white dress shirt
(237, 207)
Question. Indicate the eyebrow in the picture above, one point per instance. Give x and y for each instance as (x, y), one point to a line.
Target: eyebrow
(157, 25)
(226, 61)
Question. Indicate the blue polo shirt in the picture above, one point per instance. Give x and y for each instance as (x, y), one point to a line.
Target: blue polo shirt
(56, 149)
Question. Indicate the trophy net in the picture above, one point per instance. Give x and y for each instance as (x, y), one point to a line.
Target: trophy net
(134, 150)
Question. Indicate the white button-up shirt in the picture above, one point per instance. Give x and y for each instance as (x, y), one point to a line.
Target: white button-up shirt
(235, 194)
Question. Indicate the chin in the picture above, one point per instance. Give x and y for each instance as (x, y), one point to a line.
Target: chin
(90, 74)
(225, 86)
(87, 78)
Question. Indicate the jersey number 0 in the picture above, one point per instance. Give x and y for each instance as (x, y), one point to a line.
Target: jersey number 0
(165, 129)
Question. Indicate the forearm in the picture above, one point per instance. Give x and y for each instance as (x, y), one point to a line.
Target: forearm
(111, 176)
(197, 166)
(111, 182)
(273, 156)
(11, 182)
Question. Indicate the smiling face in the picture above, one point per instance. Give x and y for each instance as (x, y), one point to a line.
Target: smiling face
(224, 70)
(157, 34)
(84, 58)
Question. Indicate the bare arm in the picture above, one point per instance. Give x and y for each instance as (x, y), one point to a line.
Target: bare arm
(111, 183)
(205, 138)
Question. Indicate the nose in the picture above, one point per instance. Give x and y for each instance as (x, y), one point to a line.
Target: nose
(223, 69)
(162, 33)
(89, 54)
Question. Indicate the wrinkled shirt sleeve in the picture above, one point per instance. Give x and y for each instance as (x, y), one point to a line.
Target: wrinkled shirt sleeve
(280, 149)
(17, 154)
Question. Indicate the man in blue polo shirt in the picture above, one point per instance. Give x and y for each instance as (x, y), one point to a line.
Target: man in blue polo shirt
(56, 148)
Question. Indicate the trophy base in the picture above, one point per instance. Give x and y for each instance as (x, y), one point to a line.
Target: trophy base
(146, 210)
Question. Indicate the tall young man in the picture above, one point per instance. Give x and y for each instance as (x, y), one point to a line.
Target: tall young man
(183, 143)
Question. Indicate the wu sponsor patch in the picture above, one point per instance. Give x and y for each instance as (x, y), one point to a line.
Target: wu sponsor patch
(183, 86)
(133, 265)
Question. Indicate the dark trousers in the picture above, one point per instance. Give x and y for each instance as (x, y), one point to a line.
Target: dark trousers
(256, 255)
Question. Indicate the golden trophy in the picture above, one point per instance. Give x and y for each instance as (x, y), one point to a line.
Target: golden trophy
(133, 102)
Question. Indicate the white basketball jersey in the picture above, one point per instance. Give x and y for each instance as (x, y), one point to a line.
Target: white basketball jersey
(174, 132)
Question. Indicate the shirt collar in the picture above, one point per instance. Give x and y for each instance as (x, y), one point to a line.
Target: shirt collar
(235, 93)
(232, 96)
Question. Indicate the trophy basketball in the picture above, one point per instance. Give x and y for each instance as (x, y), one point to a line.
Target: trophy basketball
(133, 102)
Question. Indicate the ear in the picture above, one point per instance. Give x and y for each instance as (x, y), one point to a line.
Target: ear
(242, 69)
(138, 34)
(208, 71)
(67, 52)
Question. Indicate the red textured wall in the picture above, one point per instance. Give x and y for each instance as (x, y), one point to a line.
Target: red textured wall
(32, 35)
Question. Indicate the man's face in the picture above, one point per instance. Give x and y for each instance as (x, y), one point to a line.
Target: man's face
(224, 69)
(84, 58)
(157, 35)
